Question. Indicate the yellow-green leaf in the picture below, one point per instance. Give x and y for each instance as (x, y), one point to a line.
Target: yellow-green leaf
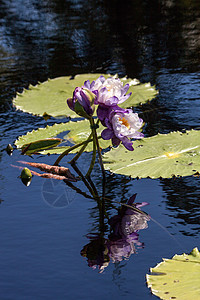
(163, 155)
(177, 278)
(49, 98)
(76, 132)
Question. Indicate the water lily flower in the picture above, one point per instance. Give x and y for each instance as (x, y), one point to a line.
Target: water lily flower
(111, 92)
(82, 102)
(122, 124)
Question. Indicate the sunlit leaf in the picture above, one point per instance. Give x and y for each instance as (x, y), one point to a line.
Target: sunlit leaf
(177, 278)
(76, 132)
(141, 93)
(49, 98)
(163, 155)
(40, 145)
(41, 133)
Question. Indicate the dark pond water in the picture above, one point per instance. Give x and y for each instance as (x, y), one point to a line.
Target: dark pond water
(40, 244)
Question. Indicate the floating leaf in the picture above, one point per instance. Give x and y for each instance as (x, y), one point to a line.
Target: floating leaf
(163, 155)
(177, 278)
(36, 146)
(77, 132)
(49, 98)
(141, 93)
(41, 133)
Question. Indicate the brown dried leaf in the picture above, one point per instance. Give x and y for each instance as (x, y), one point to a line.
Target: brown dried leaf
(49, 175)
(54, 170)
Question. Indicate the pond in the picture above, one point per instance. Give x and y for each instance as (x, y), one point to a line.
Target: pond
(45, 227)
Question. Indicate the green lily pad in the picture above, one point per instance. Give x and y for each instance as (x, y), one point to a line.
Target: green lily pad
(177, 278)
(163, 155)
(141, 93)
(49, 98)
(76, 132)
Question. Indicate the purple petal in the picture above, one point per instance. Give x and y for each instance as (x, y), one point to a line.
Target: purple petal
(106, 123)
(115, 141)
(127, 144)
(124, 98)
(125, 89)
(112, 101)
(80, 96)
(96, 98)
(84, 98)
(117, 109)
(102, 78)
(92, 85)
(102, 112)
(138, 205)
(138, 135)
(103, 90)
(114, 220)
(70, 103)
(132, 199)
(107, 134)
(87, 84)
(84, 101)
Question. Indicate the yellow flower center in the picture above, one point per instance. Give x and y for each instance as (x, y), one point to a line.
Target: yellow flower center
(124, 122)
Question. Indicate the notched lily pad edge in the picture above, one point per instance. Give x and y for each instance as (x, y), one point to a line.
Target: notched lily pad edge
(196, 173)
(20, 144)
(132, 82)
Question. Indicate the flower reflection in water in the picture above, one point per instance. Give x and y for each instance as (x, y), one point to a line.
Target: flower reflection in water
(97, 253)
(122, 241)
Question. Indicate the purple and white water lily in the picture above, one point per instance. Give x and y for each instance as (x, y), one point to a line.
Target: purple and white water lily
(111, 91)
(122, 124)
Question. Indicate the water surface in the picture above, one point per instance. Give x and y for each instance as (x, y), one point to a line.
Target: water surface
(156, 41)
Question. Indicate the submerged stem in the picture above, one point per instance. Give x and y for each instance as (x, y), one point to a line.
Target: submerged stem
(92, 192)
(102, 203)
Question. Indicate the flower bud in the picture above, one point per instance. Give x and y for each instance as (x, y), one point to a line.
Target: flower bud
(9, 149)
(26, 176)
(82, 102)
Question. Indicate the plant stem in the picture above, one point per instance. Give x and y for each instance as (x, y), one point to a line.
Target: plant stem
(83, 179)
(93, 186)
(93, 125)
(94, 149)
(77, 189)
(102, 214)
(74, 159)
(70, 149)
(66, 152)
